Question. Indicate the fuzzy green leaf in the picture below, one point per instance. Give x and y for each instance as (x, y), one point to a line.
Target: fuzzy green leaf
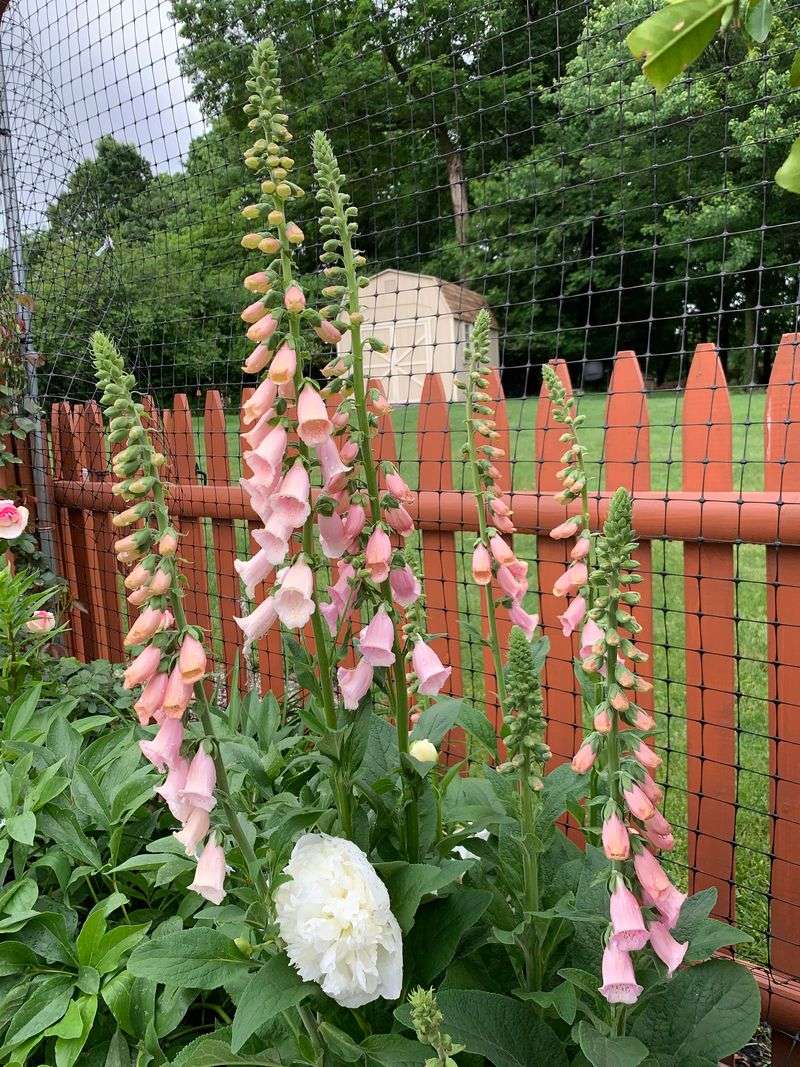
(674, 37)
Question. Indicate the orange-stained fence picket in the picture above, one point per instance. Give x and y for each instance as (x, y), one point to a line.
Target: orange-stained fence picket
(708, 516)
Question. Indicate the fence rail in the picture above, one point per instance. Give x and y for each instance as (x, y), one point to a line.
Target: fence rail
(708, 515)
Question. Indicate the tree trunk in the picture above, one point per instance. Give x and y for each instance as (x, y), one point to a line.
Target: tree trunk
(457, 182)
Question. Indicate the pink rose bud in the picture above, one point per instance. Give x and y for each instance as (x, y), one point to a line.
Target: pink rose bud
(178, 696)
(616, 843)
(502, 552)
(209, 877)
(192, 659)
(290, 501)
(619, 979)
(630, 933)
(571, 618)
(265, 461)
(151, 698)
(257, 283)
(146, 626)
(481, 565)
(584, 758)
(668, 950)
(171, 789)
(328, 333)
(257, 360)
(313, 424)
(571, 580)
(405, 586)
(283, 366)
(200, 782)
(526, 622)
(165, 747)
(195, 828)
(581, 548)
(377, 639)
(354, 683)
(41, 622)
(399, 520)
(294, 601)
(429, 669)
(257, 623)
(253, 312)
(378, 554)
(294, 299)
(398, 488)
(13, 520)
(168, 545)
(260, 402)
(141, 669)
(638, 803)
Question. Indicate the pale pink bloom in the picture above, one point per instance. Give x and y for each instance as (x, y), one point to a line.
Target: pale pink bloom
(639, 803)
(350, 451)
(329, 610)
(252, 572)
(195, 827)
(657, 824)
(619, 978)
(167, 621)
(192, 659)
(178, 695)
(571, 618)
(514, 588)
(481, 565)
(151, 698)
(649, 759)
(286, 390)
(273, 540)
(209, 877)
(164, 749)
(254, 437)
(257, 283)
(380, 405)
(253, 312)
(630, 933)
(602, 721)
(399, 520)
(565, 529)
(13, 520)
(290, 501)
(429, 669)
(571, 580)
(340, 592)
(283, 366)
(265, 461)
(334, 471)
(313, 424)
(341, 419)
(354, 522)
(398, 488)
(332, 535)
(201, 781)
(619, 701)
(499, 507)
(378, 555)
(139, 596)
(590, 635)
(138, 577)
(643, 720)
(171, 788)
(161, 583)
(652, 789)
(668, 950)
(256, 624)
(616, 843)
(257, 360)
(663, 842)
(584, 758)
(669, 904)
(354, 683)
(328, 333)
(652, 876)
(41, 622)
(150, 622)
(127, 546)
(405, 586)
(581, 548)
(294, 298)
(256, 406)
(519, 568)
(520, 617)
(141, 669)
(263, 329)
(168, 545)
(377, 639)
(294, 600)
(501, 551)
(504, 524)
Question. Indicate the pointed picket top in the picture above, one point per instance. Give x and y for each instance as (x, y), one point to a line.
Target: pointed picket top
(433, 436)
(215, 438)
(627, 441)
(548, 448)
(782, 418)
(707, 424)
(497, 400)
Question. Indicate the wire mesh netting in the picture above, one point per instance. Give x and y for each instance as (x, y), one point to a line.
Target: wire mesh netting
(504, 155)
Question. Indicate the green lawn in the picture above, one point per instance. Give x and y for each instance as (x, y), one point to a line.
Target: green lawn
(752, 835)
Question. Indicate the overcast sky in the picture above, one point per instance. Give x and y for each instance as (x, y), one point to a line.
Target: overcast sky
(100, 66)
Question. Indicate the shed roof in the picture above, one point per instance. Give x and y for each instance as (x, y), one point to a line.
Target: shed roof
(463, 302)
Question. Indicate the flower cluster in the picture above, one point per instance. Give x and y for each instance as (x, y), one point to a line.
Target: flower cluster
(170, 661)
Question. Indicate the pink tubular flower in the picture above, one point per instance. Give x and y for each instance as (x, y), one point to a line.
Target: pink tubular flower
(649, 759)
(581, 548)
(256, 624)
(257, 360)
(294, 298)
(639, 803)
(41, 622)
(151, 698)
(498, 506)
(284, 364)
(602, 721)
(261, 401)
(514, 588)
(398, 488)
(265, 461)
(209, 877)
(192, 660)
(141, 669)
(171, 788)
(520, 617)
(502, 552)
(290, 501)
(662, 842)
(164, 749)
(616, 843)
(571, 618)
(161, 583)
(571, 580)
(619, 979)
(377, 639)
(590, 635)
(146, 626)
(253, 312)
(313, 424)
(254, 437)
(200, 782)
(332, 535)
(565, 529)
(657, 824)
(630, 933)
(328, 333)
(195, 827)
(378, 554)
(642, 720)
(429, 669)
(658, 890)
(263, 329)
(668, 950)
(405, 586)
(354, 523)
(257, 283)
(294, 600)
(354, 683)
(481, 565)
(178, 695)
(584, 758)
(138, 577)
(13, 520)
(504, 524)
(334, 471)
(273, 539)
(168, 545)
(253, 571)
(399, 520)
(652, 789)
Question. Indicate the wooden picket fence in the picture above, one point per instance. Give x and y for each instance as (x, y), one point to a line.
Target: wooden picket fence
(707, 515)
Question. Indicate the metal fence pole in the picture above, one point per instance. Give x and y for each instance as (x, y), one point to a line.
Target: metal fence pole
(19, 285)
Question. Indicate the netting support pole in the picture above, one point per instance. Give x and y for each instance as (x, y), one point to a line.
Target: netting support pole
(8, 185)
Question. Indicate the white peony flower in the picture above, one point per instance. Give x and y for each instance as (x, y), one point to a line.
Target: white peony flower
(335, 918)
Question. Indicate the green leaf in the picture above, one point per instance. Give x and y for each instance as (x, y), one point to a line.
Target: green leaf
(506, 1031)
(216, 1052)
(200, 958)
(562, 1000)
(438, 929)
(704, 1014)
(794, 71)
(788, 174)
(674, 37)
(21, 711)
(270, 991)
(16, 958)
(602, 1051)
(705, 935)
(94, 926)
(46, 1005)
(408, 883)
(472, 800)
(394, 1050)
(89, 797)
(435, 721)
(119, 1054)
(22, 827)
(339, 1044)
(68, 1049)
(19, 897)
(758, 20)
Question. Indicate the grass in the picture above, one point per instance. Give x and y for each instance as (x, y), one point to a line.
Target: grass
(753, 822)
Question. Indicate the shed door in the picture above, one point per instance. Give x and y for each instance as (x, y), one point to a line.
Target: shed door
(402, 369)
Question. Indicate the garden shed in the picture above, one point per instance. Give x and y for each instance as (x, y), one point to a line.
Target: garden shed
(426, 323)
